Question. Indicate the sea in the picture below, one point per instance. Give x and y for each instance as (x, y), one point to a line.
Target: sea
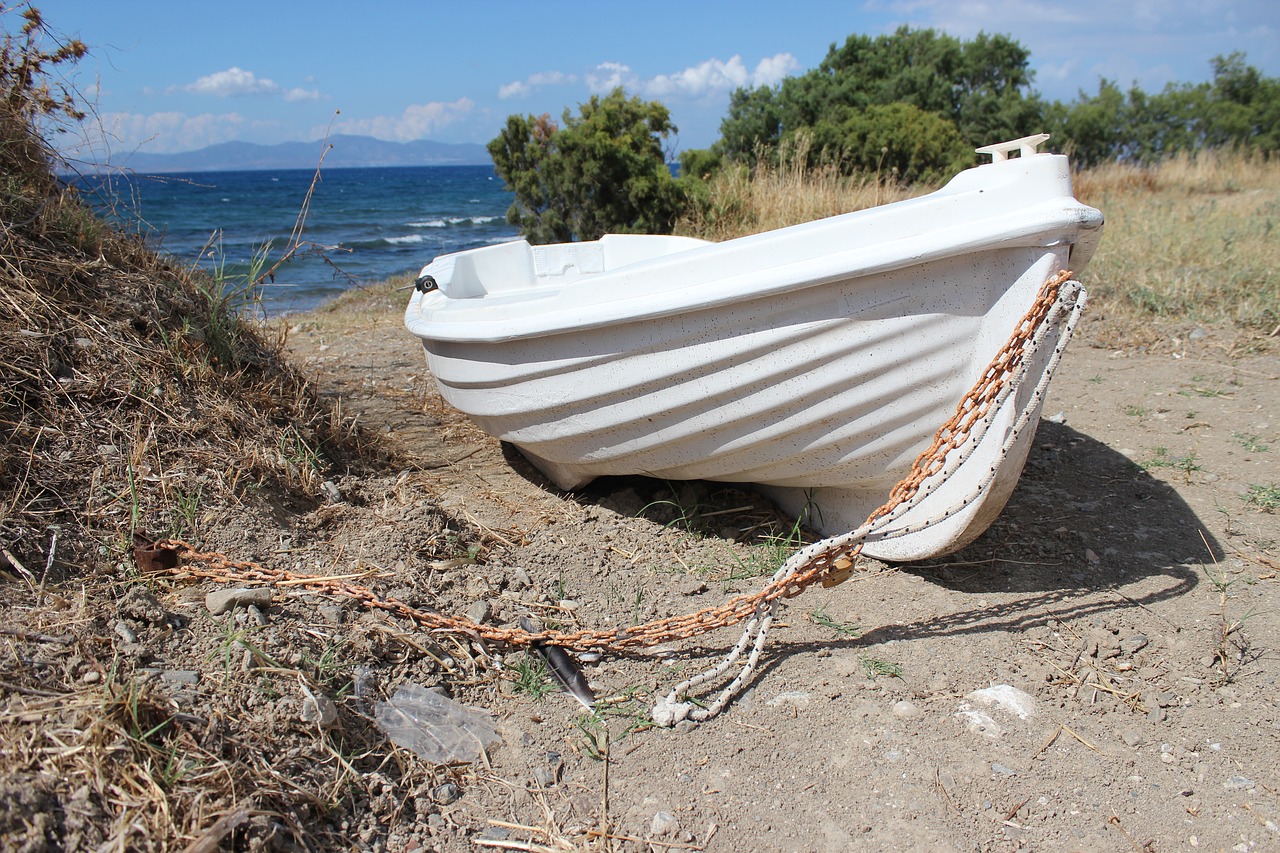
(357, 226)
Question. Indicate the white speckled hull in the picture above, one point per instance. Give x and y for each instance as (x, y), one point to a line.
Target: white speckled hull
(816, 361)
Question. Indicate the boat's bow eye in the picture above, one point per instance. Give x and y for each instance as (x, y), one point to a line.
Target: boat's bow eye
(425, 284)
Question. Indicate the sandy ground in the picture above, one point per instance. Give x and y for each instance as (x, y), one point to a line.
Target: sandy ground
(1127, 596)
(1097, 672)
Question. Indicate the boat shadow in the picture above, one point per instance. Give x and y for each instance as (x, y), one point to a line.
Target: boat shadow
(1084, 519)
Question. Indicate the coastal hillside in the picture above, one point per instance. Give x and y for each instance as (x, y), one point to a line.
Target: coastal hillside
(340, 151)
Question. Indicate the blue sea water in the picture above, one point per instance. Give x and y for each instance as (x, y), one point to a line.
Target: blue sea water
(370, 224)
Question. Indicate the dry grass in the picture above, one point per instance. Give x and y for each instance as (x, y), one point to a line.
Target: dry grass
(135, 395)
(1193, 240)
(743, 201)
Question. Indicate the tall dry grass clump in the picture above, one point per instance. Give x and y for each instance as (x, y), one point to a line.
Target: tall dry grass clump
(134, 397)
(127, 384)
(1191, 240)
(784, 190)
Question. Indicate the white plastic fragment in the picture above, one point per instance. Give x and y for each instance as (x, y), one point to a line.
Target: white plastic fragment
(435, 727)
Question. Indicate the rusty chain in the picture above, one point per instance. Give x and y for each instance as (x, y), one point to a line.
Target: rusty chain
(827, 564)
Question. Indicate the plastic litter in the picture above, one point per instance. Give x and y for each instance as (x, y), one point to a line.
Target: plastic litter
(435, 727)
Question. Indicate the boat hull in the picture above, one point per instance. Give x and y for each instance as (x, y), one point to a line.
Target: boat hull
(822, 392)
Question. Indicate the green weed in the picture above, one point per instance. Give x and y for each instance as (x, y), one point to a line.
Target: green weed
(531, 677)
(1250, 442)
(842, 630)
(876, 667)
(1265, 498)
(1163, 459)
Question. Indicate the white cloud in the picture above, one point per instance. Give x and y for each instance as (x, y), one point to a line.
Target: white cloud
(516, 89)
(418, 121)
(715, 77)
(300, 94)
(237, 81)
(165, 132)
(607, 76)
(521, 88)
(225, 84)
(710, 78)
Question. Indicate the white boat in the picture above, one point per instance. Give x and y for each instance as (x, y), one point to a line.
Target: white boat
(815, 361)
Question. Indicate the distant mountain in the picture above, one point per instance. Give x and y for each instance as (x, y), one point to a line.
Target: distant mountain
(347, 152)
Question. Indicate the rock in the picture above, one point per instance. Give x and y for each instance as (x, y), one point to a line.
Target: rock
(905, 710)
(692, 586)
(446, 794)
(331, 613)
(319, 709)
(790, 699)
(1003, 697)
(141, 605)
(1002, 770)
(520, 580)
(1133, 644)
(224, 600)
(979, 722)
(1130, 737)
(478, 612)
(664, 823)
(1238, 783)
(183, 677)
(331, 491)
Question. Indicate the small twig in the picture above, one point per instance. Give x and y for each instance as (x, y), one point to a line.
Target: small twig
(1077, 736)
(937, 780)
(1047, 743)
(211, 839)
(62, 639)
(48, 564)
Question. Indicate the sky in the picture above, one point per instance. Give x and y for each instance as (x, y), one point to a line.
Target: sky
(166, 76)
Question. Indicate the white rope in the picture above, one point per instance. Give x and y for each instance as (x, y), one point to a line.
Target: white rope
(675, 707)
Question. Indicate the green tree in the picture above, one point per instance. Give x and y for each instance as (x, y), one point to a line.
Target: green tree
(1239, 107)
(981, 87)
(894, 140)
(601, 171)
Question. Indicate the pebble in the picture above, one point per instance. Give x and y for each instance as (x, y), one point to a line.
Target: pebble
(319, 709)
(1130, 737)
(478, 612)
(1131, 645)
(905, 710)
(223, 600)
(520, 579)
(791, 699)
(126, 633)
(1004, 697)
(180, 676)
(664, 823)
(446, 793)
(1002, 770)
(1238, 783)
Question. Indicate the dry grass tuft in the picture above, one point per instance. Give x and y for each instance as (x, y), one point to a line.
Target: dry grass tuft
(742, 201)
(1190, 241)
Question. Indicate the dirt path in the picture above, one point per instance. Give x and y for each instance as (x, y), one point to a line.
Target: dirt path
(1127, 594)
